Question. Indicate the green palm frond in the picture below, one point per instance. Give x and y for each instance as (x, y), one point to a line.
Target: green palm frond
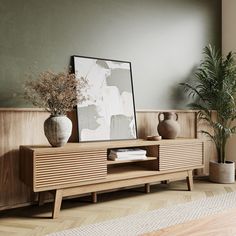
(213, 87)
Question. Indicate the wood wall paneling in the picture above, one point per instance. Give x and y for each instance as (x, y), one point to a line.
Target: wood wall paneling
(209, 147)
(17, 127)
(147, 122)
(25, 127)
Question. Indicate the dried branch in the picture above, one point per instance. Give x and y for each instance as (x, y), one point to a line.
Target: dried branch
(57, 93)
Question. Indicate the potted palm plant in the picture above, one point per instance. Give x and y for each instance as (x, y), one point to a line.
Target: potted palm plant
(213, 88)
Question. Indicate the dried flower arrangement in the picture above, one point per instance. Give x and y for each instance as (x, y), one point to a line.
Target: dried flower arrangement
(57, 93)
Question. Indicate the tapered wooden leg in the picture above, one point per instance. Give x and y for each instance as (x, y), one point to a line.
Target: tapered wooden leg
(165, 181)
(94, 197)
(57, 203)
(41, 198)
(147, 188)
(190, 180)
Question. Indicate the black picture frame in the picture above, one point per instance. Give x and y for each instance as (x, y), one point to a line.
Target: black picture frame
(109, 112)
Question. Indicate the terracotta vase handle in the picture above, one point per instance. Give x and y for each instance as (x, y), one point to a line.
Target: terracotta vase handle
(177, 117)
(159, 116)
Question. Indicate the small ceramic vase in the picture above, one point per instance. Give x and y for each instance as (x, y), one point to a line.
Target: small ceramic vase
(168, 127)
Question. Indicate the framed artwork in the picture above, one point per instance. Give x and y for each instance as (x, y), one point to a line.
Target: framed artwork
(109, 111)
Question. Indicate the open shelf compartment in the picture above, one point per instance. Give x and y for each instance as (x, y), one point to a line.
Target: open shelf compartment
(151, 163)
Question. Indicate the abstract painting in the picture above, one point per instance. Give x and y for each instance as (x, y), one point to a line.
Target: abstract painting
(109, 111)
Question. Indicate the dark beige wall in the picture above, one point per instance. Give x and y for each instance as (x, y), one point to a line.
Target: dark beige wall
(162, 38)
(228, 26)
(229, 44)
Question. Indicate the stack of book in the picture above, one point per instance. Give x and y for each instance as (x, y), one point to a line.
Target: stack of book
(123, 154)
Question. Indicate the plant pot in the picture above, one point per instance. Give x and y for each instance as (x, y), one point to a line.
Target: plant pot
(223, 173)
(58, 130)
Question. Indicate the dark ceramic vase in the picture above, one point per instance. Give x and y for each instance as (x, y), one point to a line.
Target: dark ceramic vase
(168, 127)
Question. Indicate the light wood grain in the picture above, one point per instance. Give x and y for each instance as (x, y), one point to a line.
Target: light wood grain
(75, 163)
(148, 122)
(77, 212)
(57, 203)
(17, 127)
(56, 170)
(209, 147)
(71, 148)
(190, 180)
(190, 128)
(221, 224)
(180, 155)
(24, 126)
(111, 162)
(138, 178)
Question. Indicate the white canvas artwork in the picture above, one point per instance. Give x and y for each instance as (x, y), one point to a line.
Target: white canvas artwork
(109, 112)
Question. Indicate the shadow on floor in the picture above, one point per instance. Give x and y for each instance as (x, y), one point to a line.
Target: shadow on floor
(45, 211)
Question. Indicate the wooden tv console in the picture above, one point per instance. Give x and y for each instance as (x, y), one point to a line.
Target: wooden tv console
(79, 168)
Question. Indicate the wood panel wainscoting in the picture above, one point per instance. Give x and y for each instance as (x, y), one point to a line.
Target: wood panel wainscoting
(24, 126)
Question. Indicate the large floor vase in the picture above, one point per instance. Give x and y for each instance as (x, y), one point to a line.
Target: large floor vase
(223, 173)
(58, 130)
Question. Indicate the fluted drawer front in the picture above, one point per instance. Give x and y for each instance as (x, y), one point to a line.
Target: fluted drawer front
(69, 168)
(178, 156)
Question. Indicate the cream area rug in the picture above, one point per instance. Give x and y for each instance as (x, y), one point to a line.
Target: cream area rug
(157, 219)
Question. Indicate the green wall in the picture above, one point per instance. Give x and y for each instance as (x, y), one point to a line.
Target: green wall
(162, 38)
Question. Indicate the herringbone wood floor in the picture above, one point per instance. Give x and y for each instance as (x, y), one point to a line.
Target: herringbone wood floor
(76, 212)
